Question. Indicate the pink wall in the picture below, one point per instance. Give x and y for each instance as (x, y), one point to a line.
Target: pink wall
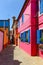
(1, 41)
(26, 47)
(24, 27)
(27, 19)
(41, 53)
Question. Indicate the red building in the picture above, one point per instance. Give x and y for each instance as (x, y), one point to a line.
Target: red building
(30, 27)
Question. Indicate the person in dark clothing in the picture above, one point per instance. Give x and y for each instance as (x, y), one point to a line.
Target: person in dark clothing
(12, 39)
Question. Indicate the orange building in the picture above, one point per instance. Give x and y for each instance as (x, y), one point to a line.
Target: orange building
(4, 29)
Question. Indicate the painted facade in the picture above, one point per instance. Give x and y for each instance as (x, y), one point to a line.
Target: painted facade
(5, 28)
(30, 21)
(15, 31)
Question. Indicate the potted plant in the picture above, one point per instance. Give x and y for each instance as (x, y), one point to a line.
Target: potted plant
(41, 45)
(41, 39)
(26, 40)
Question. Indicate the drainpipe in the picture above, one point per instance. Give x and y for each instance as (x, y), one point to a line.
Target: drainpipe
(34, 27)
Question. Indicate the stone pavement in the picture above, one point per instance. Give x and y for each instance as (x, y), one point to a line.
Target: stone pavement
(13, 55)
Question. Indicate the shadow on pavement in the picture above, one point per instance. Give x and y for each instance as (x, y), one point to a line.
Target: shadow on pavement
(7, 56)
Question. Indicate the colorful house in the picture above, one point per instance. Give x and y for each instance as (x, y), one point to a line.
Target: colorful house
(4, 33)
(15, 31)
(30, 27)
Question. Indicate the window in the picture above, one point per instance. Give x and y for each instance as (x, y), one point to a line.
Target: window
(41, 6)
(25, 36)
(1, 23)
(39, 36)
(28, 36)
(22, 36)
(41, 39)
(23, 18)
(41, 33)
(6, 24)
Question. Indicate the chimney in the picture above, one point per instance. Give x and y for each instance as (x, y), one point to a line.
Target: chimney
(14, 18)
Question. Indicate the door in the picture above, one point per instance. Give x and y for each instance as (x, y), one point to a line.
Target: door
(1, 40)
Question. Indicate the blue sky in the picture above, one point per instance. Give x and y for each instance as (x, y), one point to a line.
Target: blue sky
(9, 8)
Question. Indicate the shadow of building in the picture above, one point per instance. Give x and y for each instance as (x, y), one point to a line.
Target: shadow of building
(6, 57)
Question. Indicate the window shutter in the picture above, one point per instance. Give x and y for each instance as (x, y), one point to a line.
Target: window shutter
(28, 35)
(24, 36)
(21, 37)
(41, 6)
(23, 18)
(38, 36)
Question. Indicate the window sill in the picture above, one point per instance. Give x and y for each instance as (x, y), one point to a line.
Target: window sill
(26, 42)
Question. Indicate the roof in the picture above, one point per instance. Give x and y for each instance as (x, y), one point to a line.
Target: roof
(23, 9)
(5, 20)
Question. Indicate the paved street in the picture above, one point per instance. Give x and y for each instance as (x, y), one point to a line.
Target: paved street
(13, 55)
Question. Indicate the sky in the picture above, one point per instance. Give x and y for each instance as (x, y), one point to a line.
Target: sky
(10, 8)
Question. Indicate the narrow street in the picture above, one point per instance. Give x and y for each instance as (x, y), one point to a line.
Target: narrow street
(13, 55)
(7, 56)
